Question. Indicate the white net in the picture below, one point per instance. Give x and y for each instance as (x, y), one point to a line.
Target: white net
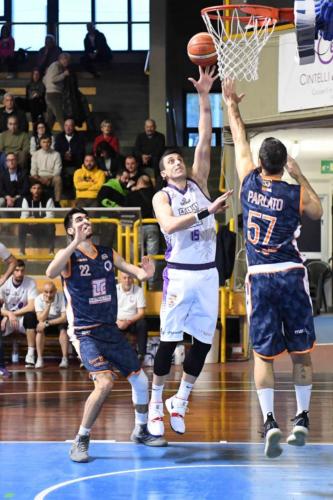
(238, 44)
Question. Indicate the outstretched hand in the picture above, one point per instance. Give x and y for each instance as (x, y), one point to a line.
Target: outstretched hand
(219, 205)
(148, 268)
(229, 92)
(82, 232)
(206, 79)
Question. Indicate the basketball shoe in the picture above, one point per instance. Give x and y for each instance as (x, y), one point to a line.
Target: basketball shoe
(141, 435)
(30, 361)
(177, 408)
(4, 372)
(300, 430)
(272, 435)
(155, 419)
(79, 449)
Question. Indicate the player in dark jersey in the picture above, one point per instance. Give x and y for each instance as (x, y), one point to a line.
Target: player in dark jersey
(278, 300)
(89, 285)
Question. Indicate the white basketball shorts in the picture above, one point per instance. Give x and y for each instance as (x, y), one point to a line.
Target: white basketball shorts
(189, 304)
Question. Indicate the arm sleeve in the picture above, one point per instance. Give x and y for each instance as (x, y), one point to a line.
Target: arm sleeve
(141, 300)
(38, 304)
(4, 252)
(49, 206)
(58, 164)
(34, 165)
(32, 290)
(25, 209)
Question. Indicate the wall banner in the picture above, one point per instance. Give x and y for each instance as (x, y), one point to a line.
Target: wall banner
(308, 86)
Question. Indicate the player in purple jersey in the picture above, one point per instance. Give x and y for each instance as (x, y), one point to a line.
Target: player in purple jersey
(278, 301)
(89, 284)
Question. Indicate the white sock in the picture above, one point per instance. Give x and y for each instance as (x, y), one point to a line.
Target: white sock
(266, 400)
(156, 393)
(303, 396)
(31, 350)
(140, 418)
(83, 431)
(184, 390)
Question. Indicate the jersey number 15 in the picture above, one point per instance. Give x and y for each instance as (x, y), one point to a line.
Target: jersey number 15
(253, 228)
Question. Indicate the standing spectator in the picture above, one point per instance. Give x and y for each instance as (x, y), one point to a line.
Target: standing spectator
(48, 54)
(35, 97)
(149, 147)
(107, 159)
(11, 263)
(96, 50)
(10, 109)
(54, 84)
(113, 193)
(132, 166)
(14, 141)
(107, 136)
(43, 233)
(71, 146)
(131, 311)
(46, 167)
(51, 315)
(40, 129)
(7, 54)
(14, 183)
(88, 180)
(18, 294)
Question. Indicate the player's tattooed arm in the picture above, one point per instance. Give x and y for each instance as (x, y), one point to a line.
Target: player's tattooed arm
(141, 273)
(244, 160)
(310, 204)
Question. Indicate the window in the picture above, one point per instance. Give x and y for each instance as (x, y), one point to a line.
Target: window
(29, 20)
(2, 8)
(125, 23)
(192, 118)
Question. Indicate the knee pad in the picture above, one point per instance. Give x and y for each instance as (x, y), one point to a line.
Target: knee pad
(139, 383)
(195, 358)
(30, 320)
(163, 358)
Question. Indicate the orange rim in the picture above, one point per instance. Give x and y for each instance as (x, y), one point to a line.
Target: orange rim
(260, 12)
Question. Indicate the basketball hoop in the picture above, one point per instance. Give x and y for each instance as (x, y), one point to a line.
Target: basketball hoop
(240, 33)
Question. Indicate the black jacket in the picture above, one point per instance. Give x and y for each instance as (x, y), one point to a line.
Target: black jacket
(142, 198)
(153, 145)
(101, 46)
(22, 120)
(77, 147)
(21, 187)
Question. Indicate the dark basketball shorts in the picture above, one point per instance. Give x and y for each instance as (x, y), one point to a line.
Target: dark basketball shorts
(279, 311)
(104, 348)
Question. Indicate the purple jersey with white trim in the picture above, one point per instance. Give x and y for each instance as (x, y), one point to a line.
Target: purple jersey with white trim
(195, 245)
(271, 220)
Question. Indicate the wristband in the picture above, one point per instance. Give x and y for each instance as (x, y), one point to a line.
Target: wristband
(202, 214)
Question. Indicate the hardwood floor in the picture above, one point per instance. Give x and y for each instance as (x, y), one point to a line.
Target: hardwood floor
(47, 404)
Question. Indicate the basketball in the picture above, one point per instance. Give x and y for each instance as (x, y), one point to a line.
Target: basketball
(201, 50)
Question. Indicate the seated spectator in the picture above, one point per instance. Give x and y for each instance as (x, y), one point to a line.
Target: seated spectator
(46, 167)
(71, 146)
(48, 54)
(10, 109)
(7, 51)
(132, 166)
(113, 193)
(96, 50)
(44, 234)
(88, 180)
(40, 129)
(35, 96)
(51, 315)
(106, 136)
(14, 141)
(107, 159)
(17, 295)
(54, 85)
(131, 311)
(141, 195)
(14, 183)
(10, 261)
(149, 147)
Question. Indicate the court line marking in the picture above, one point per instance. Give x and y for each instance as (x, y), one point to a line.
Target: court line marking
(41, 495)
(222, 382)
(328, 391)
(181, 443)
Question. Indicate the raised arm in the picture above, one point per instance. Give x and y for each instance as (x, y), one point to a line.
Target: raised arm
(310, 201)
(201, 165)
(170, 223)
(244, 160)
(142, 273)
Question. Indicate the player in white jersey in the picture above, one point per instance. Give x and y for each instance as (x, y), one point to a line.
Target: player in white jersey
(17, 295)
(190, 292)
(10, 260)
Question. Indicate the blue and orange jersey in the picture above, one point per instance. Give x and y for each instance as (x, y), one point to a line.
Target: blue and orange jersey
(271, 218)
(90, 288)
